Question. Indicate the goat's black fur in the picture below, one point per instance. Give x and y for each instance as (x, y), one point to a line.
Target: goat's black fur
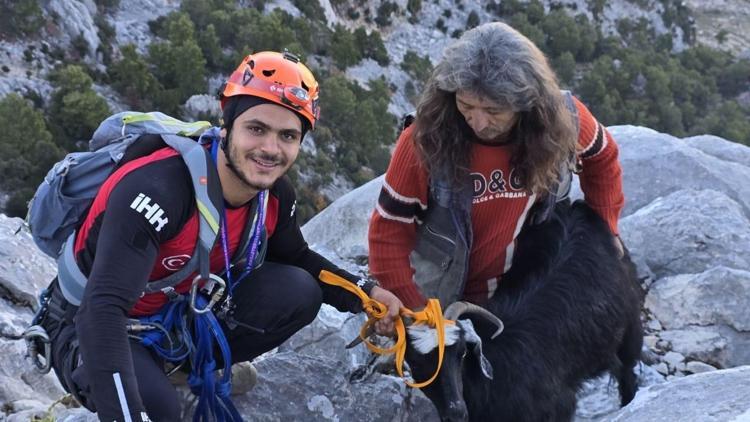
(571, 310)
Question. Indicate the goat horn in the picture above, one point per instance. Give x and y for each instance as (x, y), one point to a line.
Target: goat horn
(456, 309)
(358, 339)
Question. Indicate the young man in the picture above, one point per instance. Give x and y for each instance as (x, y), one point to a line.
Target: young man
(268, 103)
(492, 137)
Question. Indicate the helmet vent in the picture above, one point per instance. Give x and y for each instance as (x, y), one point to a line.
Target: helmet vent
(304, 85)
(251, 63)
(269, 73)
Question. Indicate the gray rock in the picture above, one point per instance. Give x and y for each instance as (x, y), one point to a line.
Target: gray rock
(76, 19)
(689, 231)
(199, 106)
(653, 325)
(24, 270)
(327, 337)
(19, 382)
(599, 397)
(656, 164)
(342, 227)
(717, 296)
(661, 368)
(700, 343)
(697, 367)
(707, 397)
(673, 359)
(720, 148)
(131, 21)
(650, 341)
(717, 299)
(299, 387)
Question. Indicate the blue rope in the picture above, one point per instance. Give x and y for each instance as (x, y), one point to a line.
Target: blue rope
(170, 320)
(214, 402)
(213, 394)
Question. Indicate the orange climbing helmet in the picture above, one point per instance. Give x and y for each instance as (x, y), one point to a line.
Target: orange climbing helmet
(277, 77)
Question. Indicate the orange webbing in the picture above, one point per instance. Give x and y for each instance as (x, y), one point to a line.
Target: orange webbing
(431, 315)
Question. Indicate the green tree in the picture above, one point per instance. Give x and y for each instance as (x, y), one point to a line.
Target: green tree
(26, 152)
(178, 64)
(472, 20)
(208, 41)
(75, 109)
(734, 78)
(413, 7)
(132, 78)
(535, 11)
(565, 67)
(311, 9)
(20, 17)
(417, 67)
(730, 121)
(561, 32)
(521, 23)
(249, 28)
(344, 48)
(360, 147)
(371, 45)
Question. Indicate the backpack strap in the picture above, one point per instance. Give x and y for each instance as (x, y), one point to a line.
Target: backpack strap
(209, 200)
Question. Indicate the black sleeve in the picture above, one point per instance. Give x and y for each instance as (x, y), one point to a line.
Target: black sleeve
(126, 249)
(287, 246)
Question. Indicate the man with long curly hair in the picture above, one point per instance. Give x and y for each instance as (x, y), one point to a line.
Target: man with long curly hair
(492, 145)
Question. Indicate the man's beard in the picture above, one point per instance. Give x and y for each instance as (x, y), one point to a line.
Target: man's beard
(232, 155)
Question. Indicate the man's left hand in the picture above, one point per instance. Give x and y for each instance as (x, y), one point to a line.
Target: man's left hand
(385, 326)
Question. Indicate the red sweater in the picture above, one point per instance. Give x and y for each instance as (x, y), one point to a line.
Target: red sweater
(499, 209)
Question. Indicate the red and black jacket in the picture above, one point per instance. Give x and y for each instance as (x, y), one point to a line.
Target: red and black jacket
(123, 244)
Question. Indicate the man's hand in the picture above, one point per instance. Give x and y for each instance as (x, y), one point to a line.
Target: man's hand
(385, 327)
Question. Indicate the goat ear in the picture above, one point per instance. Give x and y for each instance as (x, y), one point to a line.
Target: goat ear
(474, 342)
(483, 362)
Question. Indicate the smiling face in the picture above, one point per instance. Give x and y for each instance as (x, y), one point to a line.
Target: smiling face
(263, 144)
(489, 121)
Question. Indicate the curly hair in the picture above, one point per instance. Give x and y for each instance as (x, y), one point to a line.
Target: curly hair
(497, 63)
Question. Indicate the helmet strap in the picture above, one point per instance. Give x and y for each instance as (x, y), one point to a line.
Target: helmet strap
(224, 140)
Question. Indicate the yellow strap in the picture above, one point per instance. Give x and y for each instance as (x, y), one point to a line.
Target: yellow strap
(431, 315)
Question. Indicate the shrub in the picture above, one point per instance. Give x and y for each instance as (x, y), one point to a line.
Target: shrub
(26, 152)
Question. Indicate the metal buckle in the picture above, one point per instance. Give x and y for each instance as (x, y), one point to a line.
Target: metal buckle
(215, 298)
(31, 336)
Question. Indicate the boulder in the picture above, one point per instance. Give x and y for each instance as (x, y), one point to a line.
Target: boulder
(657, 164)
(715, 396)
(717, 299)
(689, 231)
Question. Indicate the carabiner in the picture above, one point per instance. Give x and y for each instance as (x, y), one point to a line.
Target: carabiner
(215, 298)
(33, 334)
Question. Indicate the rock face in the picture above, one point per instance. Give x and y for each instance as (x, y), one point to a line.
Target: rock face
(656, 164)
(350, 214)
(681, 233)
(75, 18)
(708, 397)
(714, 16)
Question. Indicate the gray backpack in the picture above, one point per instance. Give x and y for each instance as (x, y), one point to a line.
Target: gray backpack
(63, 198)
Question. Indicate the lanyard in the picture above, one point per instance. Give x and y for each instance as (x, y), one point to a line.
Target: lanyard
(255, 238)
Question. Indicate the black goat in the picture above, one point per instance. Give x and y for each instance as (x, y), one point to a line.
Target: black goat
(571, 310)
